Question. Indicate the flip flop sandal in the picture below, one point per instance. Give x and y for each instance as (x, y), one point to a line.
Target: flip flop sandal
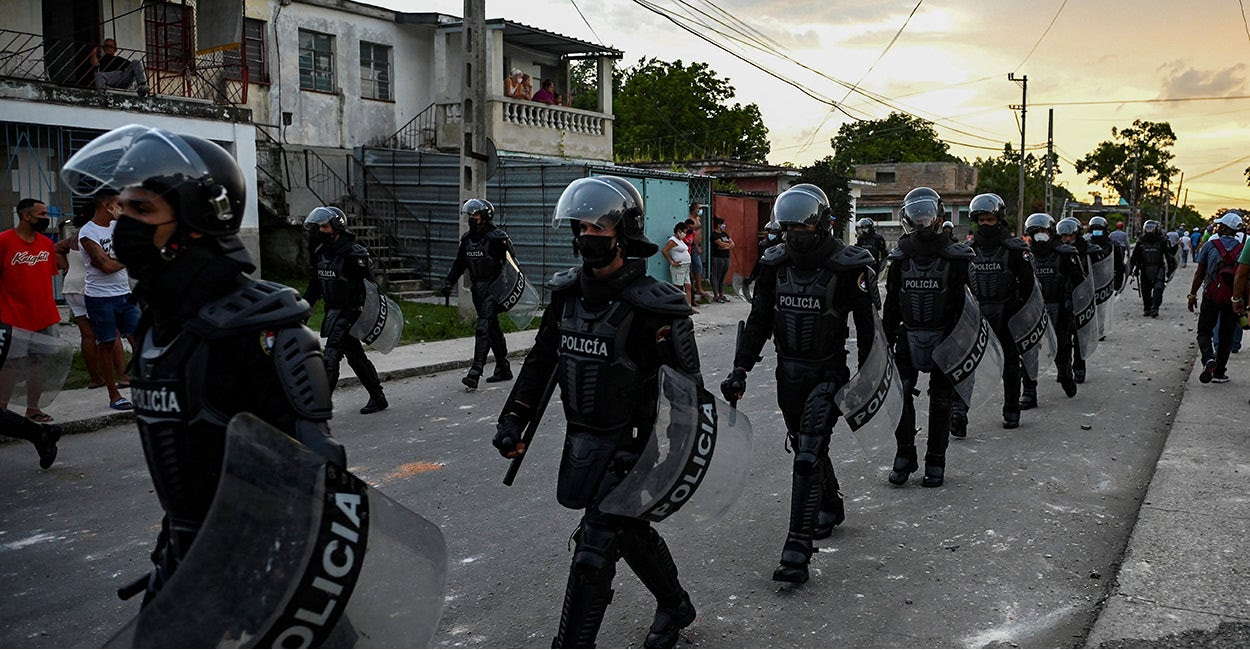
(121, 404)
(40, 417)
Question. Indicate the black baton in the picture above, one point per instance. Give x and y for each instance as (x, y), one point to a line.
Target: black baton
(531, 429)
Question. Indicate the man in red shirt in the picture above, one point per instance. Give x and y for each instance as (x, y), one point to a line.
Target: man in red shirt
(27, 266)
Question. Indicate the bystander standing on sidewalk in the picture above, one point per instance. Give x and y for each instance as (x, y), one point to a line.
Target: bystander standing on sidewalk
(107, 293)
(73, 286)
(1186, 248)
(1216, 268)
(694, 239)
(677, 253)
(722, 247)
(27, 266)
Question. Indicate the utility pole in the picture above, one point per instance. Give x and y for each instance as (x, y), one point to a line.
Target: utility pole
(1050, 167)
(1133, 223)
(473, 104)
(1177, 207)
(1023, 106)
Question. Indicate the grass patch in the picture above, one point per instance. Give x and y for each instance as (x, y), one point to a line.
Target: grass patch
(424, 322)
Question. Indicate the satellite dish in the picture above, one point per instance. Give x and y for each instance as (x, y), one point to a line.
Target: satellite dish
(492, 159)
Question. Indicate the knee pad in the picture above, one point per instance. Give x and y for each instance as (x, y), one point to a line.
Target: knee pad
(808, 451)
(483, 327)
(594, 558)
(819, 411)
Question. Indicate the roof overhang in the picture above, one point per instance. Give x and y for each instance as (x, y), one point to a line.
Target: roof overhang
(542, 40)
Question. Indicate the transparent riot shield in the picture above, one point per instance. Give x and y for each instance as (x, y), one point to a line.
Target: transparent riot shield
(742, 288)
(33, 367)
(1103, 274)
(1085, 317)
(296, 552)
(514, 293)
(1031, 330)
(381, 322)
(970, 356)
(695, 464)
(871, 402)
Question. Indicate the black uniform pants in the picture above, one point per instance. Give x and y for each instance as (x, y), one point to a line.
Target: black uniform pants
(1211, 316)
(1151, 281)
(1012, 372)
(488, 336)
(805, 395)
(1065, 338)
(340, 343)
(941, 400)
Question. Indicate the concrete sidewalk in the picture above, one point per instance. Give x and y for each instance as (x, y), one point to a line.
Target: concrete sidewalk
(83, 410)
(1184, 580)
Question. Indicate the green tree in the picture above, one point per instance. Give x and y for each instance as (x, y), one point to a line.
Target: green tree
(834, 179)
(1144, 147)
(584, 84)
(1001, 175)
(671, 111)
(898, 138)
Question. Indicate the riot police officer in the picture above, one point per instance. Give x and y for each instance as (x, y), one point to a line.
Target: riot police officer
(608, 328)
(948, 229)
(340, 267)
(925, 291)
(1100, 234)
(1069, 231)
(807, 288)
(867, 238)
(213, 342)
(1001, 279)
(1153, 263)
(482, 252)
(1058, 270)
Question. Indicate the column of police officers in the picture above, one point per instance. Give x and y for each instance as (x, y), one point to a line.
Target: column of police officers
(608, 329)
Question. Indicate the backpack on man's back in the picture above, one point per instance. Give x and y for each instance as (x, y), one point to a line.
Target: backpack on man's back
(1220, 287)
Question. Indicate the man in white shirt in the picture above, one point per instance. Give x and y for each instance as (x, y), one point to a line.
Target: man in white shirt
(107, 293)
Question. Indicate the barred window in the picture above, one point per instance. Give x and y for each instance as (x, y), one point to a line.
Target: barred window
(375, 71)
(316, 61)
(167, 28)
(254, 54)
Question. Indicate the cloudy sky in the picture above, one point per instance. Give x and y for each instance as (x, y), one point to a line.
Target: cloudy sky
(1098, 63)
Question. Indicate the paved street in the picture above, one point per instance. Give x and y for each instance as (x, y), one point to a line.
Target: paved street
(1018, 548)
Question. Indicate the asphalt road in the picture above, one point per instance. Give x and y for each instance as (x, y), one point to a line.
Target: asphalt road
(1017, 549)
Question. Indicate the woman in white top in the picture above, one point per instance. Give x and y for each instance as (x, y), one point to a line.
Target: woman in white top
(678, 255)
(72, 288)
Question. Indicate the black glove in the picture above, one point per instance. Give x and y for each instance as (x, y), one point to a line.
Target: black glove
(446, 290)
(508, 435)
(733, 387)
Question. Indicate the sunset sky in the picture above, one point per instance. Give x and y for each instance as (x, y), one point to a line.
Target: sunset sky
(950, 64)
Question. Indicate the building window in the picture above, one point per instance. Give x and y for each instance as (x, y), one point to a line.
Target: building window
(167, 28)
(316, 61)
(885, 177)
(253, 54)
(375, 71)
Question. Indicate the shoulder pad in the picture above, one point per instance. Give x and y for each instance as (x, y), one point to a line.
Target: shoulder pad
(1066, 249)
(775, 255)
(497, 233)
(959, 251)
(850, 257)
(255, 305)
(661, 297)
(297, 358)
(1015, 244)
(564, 279)
(1093, 249)
(896, 253)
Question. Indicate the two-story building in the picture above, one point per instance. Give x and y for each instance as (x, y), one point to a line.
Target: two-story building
(955, 182)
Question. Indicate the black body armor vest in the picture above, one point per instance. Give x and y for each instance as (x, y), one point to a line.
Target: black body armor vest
(1050, 276)
(1151, 253)
(477, 254)
(336, 287)
(807, 326)
(926, 298)
(991, 275)
(599, 383)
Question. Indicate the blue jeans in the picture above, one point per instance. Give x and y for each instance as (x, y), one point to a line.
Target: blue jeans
(110, 315)
(1237, 332)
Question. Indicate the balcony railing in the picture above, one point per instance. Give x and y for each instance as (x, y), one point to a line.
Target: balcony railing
(204, 76)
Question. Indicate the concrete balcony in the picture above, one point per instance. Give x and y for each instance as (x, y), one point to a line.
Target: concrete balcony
(518, 126)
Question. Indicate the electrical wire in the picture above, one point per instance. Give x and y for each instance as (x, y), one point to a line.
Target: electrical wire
(1043, 36)
(592, 29)
(1140, 101)
(1243, 18)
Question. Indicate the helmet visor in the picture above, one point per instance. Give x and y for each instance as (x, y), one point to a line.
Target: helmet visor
(591, 201)
(922, 212)
(320, 215)
(799, 205)
(128, 156)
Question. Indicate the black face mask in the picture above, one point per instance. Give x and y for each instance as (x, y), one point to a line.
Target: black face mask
(804, 241)
(41, 224)
(597, 251)
(478, 226)
(132, 243)
(320, 237)
(990, 233)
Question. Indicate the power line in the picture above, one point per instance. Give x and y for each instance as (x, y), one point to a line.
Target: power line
(592, 29)
(1243, 18)
(1143, 101)
(1043, 36)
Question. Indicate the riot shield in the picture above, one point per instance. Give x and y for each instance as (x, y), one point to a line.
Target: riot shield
(1031, 329)
(296, 552)
(1103, 274)
(970, 356)
(743, 288)
(514, 294)
(694, 464)
(1085, 317)
(871, 402)
(33, 367)
(381, 322)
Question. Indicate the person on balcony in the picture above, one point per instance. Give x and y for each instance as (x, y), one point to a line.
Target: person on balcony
(112, 71)
(546, 94)
(518, 86)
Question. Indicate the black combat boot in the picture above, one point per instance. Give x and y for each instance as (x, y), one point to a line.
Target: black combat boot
(804, 506)
(959, 424)
(1028, 397)
(1011, 418)
(832, 509)
(376, 403)
(649, 558)
(45, 443)
(1078, 371)
(585, 601)
(1068, 384)
(904, 464)
(934, 470)
(668, 623)
(470, 380)
(503, 372)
